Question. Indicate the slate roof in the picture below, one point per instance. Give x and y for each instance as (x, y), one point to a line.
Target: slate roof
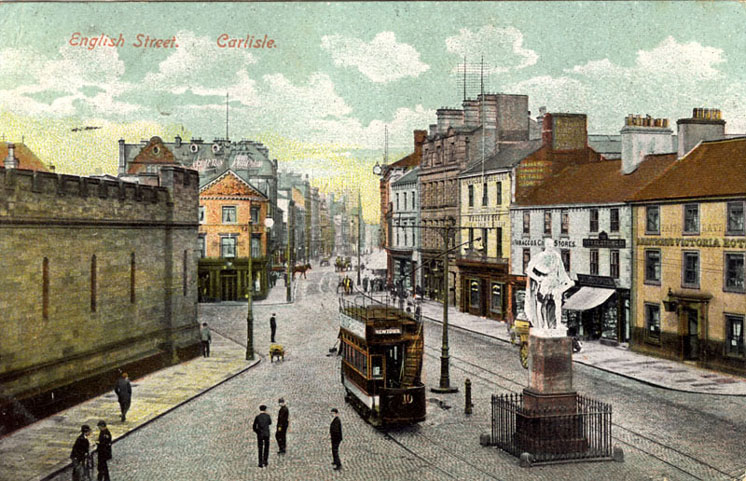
(713, 168)
(27, 160)
(509, 156)
(597, 182)
(407, 178)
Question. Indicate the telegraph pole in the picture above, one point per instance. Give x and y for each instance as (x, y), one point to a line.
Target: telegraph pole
(359, 229)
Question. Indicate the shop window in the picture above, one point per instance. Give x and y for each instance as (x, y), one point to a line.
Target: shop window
(485, 194)
(691, 219)
(652, 266)
(227, 246)
(614, 264)
(593, 220)
(652, 220)
(734, 329)
(202, 214)
(526, 259)
(734, 272)
(594, 262)
(471, 196)
(653, 321)
(564, 222)
(735, 218)
(548, 222)
(614, 220)
(474, 293)
(229, 214)
(690, 269)
(496, 298)
(499, 193)
(526, 222)
(202, 246)
(565, 253)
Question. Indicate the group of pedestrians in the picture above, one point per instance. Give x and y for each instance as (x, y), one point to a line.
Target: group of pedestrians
(261, 427)
(81, 457)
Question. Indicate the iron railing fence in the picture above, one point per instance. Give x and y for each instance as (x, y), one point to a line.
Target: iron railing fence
(552, 435)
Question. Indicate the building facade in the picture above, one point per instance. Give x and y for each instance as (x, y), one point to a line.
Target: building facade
(404, 248)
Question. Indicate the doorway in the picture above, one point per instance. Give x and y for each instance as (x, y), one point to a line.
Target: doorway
(691, 334)
(228, 286)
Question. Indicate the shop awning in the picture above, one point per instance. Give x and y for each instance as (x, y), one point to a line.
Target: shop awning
(587, 298)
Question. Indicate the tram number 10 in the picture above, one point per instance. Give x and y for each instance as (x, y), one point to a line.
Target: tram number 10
(407, 399)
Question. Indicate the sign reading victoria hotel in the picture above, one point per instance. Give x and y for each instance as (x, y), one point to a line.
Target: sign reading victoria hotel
(724, 242)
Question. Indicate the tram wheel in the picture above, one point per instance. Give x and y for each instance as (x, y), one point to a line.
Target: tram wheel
(524, 355)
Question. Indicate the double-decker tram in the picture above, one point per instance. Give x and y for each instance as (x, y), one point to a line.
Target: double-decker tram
(382, 348)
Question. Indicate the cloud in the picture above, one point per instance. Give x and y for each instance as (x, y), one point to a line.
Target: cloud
(502, 48)
(382, 60)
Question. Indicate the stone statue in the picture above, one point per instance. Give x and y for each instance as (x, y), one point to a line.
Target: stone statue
(547, 281)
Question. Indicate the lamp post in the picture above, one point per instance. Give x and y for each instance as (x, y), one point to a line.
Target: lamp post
(289, 271)
(444, 386)
(249, 297)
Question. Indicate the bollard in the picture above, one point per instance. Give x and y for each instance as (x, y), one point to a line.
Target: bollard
(467, 393)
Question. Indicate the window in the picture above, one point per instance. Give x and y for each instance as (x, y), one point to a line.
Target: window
(452, 153)
(376, 366)
(565, 253)
(471, 239)
(691, 219)
(652, 266)
(499, 193)
(133, 267)
(614, 264)
(653, 321)
(594, 220)
(184, 272)
(690, 269)
(256, 245)
(485, 194)
(398, 240)
(474, 297)
(406, 241)
(499, 242)
(614, 220)
(547, 222)
(202, 214)
(397, 201)
(229, 214)
(735, 219)
(734, 278)
(413, 207)
(734, 331)
(594, 262)
(45, 288)
(93, 284)
(526, 259)
(255, 209)
(227, 246)
(471, 196)
(526, 222)
(201, 245)
(652, 220)
(496, 298)
(564, 222)
(484, 240)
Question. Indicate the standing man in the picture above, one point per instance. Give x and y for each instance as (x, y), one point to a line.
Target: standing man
(282, 426)
(261, 427)
(80, 453)
(206, 339)
(124, 394)
(273, 326)
(365, 283)
(335, 431)
(104, 451)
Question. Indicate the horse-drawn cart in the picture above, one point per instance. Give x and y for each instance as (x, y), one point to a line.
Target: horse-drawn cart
(519, 336)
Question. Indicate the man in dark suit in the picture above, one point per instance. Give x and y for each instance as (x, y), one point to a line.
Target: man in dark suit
(124, 394)
(261, 427)
(335, 430)
(272, 327)
(104, 451)
(80, 453)
(282, 426)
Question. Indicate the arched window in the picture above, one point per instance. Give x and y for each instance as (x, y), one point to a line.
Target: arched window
(132, 277)
(45, 288)
(93, 283)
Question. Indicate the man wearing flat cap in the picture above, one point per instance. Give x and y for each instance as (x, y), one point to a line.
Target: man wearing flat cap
(80, 453)
(282, 426)
(335, 431)
(104, 451)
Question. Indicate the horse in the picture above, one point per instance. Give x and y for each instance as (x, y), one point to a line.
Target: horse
(301, 269)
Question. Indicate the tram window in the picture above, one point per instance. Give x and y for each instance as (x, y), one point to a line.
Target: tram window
(376, 364)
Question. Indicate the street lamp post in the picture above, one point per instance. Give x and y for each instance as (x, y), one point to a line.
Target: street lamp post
(444, 386)
(249, 296)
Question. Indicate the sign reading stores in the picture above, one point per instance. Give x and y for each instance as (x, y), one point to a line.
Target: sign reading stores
(353, 325)
(563, 243)
(692, 242)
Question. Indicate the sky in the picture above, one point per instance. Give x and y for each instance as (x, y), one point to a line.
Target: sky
(338, 73)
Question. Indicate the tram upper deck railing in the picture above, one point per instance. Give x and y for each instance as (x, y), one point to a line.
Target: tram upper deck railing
(371, 311)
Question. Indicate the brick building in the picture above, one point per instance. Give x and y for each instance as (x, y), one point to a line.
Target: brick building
(99, 276)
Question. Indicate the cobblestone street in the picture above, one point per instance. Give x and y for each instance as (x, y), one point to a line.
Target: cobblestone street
(664, 434)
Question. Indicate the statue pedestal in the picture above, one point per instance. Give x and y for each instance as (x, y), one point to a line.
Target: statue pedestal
(548, 422)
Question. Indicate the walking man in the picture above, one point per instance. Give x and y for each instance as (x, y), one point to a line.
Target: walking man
(365, 283)
(206, 339)
(282, 427)
(335, 431)
(123, 389)
(272, 326)
(261, 427)
(80, 453)
(104, 451)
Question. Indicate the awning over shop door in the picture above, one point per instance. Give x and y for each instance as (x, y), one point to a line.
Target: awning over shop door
(587, 298)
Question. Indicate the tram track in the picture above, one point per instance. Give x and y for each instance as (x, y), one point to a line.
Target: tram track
(695, 467)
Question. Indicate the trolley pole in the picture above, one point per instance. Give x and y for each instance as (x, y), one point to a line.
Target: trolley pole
(445, 381)
(359, 229)
(250, 298)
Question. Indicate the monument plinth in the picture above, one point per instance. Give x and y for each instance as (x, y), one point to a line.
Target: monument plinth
(549, 372)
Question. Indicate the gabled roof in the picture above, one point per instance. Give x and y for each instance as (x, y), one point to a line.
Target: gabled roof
(407, 178)
(712, 168)
(596, 182)
(240, 186)
(27, 160)
(509, 156)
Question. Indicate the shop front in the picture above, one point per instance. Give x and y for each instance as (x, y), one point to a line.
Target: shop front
(484, 289)
(403, 268)
(596, 309)
(223, 279)
(432, 277)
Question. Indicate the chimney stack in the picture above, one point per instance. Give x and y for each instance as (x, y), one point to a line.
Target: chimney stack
(419, 139)
(705, 124)
(642, 136)
(11, 162)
